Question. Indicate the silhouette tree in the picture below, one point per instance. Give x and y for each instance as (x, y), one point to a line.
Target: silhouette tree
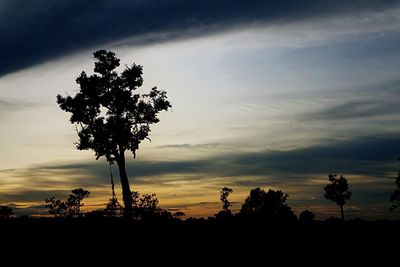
(225, 212)
(338, 191)
(56, 207)
(178, 215)
(146, 206)
(307, 216)
(225, 192)
(269, 205)
(6, 212)
(74, 201)
(109, 118)
(113, 207)
(395, 197)
(71, 207)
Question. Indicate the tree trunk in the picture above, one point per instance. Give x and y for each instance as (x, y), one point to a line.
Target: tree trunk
(341, 212)
(126, 190)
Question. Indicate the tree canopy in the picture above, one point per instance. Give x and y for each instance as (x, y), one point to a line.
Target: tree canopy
(110, 118)
(269, 205)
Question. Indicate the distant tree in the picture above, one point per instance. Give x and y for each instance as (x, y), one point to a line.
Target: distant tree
(113, 208)
(146, 206)
(338, 191)
(71, 207)
(56, 207)
(178, 215)
(395, 197)
(225, 192)
(225, 212)
(109, 118)
(74, 201)
(307, 216)
(269, 205)
(6, 212)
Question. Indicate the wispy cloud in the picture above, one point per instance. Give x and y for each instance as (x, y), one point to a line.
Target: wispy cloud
(13, 105)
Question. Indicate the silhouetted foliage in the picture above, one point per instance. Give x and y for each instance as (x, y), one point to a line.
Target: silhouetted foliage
(113, 208)
(56, 206)
(225, 213)
(271, 206)
(146, 206)
(109, 118)
(338, 191)
(225, 192)
(6, 212)
(178, 215)
(71, 207)
(395, 197)
(307, 216)
(74, 201)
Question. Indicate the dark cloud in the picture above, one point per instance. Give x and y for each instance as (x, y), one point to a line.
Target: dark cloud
(360, 109)
(32, 195)
(373, 156)
(35, 31)
(361, 103)
(363, 155)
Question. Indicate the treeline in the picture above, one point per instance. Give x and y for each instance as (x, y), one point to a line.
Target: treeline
(259, 206)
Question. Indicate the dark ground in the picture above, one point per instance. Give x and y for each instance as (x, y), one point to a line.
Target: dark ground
(203, 238)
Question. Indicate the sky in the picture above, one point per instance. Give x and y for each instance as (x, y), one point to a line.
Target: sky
(271, 94)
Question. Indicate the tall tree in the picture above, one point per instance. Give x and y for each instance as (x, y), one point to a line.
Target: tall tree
(225, 213)
(74, 202)
(110, 118)
(225, 192)
(338, 191)
(395, 197)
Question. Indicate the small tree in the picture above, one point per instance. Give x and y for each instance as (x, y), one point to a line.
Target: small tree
(269, 205)
(225, 213)
(109, 118)
(6, 212)
(146, 206)
(178, 215)
(113, 208)
(225, 192)
(71, 207)
(56, 207)
(74, 201)
(395, 197)
(307, 216)
(338, 191)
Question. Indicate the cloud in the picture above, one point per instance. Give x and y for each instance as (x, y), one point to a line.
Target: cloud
(13, 105)
(32, 195)
(36, 31)
(362, 156)
(192, 146)
(360, 109)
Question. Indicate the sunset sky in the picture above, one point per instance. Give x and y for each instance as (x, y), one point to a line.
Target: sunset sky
(272, 94)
